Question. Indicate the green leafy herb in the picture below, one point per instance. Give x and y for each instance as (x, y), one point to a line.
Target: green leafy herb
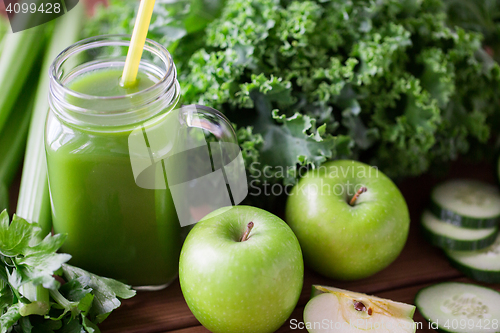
(78, 305)
(106, 291)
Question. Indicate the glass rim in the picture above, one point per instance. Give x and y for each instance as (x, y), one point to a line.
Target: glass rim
(108, 40)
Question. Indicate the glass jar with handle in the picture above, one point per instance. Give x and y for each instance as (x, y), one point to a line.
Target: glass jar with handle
(116, 226)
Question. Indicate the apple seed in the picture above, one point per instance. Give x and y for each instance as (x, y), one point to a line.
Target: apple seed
(359, 306)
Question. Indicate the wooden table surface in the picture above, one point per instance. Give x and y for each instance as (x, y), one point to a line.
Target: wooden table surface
(419, 265)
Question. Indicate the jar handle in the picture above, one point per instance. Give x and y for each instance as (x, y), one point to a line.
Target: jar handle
(209, 119)
(218, 177)
(201, 175)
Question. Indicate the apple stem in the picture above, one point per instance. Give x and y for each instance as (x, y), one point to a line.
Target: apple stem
(355, 197)
(246, 235)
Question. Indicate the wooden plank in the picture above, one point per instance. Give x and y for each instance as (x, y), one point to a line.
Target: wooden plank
(194, 329)
(151, 312)
(418, 263)
(405, 295)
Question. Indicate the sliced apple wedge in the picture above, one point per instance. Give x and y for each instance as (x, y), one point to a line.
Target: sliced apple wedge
(337, 310)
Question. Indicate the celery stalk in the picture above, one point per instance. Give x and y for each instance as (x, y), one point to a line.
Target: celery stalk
(13, 138)
(4, 27)
(4, 196)
(39, 298)
(19, 53)
(34, 203)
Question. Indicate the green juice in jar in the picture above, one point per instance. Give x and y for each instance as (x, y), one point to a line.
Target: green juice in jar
(115, 228)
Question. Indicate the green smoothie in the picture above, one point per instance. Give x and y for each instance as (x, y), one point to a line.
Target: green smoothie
(115, 228)
(107, 83)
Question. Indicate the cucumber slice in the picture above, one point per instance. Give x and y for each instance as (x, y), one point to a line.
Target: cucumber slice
(482, 265)
(451, 237)
(466, 203)
(460, 307)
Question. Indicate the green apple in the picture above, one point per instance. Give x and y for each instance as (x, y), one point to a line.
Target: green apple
(350, 219)
(241, 270)
(338, 310)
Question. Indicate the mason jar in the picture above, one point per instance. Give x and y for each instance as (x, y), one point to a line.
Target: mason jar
(115, 228)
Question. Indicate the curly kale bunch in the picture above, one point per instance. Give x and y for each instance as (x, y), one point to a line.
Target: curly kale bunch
(387, 82)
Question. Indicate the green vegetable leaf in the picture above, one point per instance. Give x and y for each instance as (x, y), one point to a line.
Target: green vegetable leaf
(291, 140)
(39, 324)
(28, 266)
(15, 237)
(106, 291)
(6, 296)
(34, 261)
(35, 264)
(89, 326)
(39, 267)
(72, 326)
(76, 289)
(85, 304)
(9, 317)
(438, 77)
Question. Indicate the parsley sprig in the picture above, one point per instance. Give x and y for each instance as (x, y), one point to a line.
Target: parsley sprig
(78, 304)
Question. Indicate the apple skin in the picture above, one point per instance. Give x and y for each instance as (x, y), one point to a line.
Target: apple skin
(250, 286)
(341, 241)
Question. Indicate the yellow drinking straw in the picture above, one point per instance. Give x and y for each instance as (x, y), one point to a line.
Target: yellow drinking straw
(137, 43)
